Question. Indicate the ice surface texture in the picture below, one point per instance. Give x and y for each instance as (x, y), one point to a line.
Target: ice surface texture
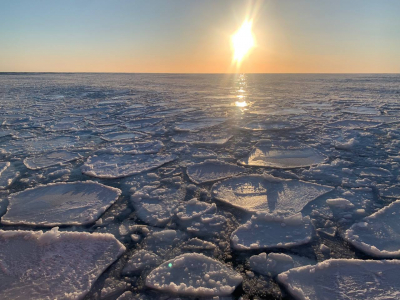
(265, 231)
(50, 159)
(379, 234)
(212, 170)
(194, 274)
(341, 279)
(263, 155)
(267, 193)
(54, 264)
(77, 203)
(123, 165)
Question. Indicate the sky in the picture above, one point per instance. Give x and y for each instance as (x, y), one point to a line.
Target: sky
(194, 36)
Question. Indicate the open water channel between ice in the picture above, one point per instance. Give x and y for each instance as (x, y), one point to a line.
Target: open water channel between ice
(155, 186)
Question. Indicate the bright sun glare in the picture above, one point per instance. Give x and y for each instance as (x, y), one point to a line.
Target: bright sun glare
(242, 41)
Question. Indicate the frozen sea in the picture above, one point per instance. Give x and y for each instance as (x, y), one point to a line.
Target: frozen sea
(162, 186)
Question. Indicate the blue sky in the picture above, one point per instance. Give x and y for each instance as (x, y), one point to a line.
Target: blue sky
(194, 36)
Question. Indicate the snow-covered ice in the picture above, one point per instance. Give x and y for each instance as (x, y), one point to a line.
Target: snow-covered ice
(194, 274)
(76, 203)
(53, 264)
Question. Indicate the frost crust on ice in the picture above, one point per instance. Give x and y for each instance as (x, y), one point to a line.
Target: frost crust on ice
(54, 264)
(265, 231)
(378, 234)
(194, 274)
(212, 170)
(347, 279)
(267, 193)
(123, 165)
(76, 203)
(50, 159)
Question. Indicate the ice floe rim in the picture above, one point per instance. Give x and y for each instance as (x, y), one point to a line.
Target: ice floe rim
(51, 165)
(102, 210)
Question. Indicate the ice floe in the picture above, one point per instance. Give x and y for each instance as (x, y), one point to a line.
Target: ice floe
(265, 154)
(202, 138)
(50, 159)
(194, 274)
(378, 234)
(267, 193)
(144, 147)
(265, 231)
(269, 126)
(123, 165)
(140, 261)
(212, 170)
(54, 264)
(344, 279)
(199, 124)
(122, 136)
(76, 203)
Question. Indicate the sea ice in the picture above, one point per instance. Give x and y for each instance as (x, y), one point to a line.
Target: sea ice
(193, 209)
(378, 234)
(76, 203)
(265, 155)
(123, 165)
(50, 159)
(212, 170)
(122, 135)
(194, 274)
(353, 124)
(269, 126)
(54, 264)
(265, 231)
(145, 147)
(199, 124)
(267, 193)
(344, 279)
(202, 138)
(140, 261)
(141, 123)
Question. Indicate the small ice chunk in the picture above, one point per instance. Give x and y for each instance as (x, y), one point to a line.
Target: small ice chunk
(340, 203)
(194, 274)
(265, 231)
(378, 234)
(269, 125)
(193, 209)
(353, 124)
(212, 170)
(123, 165)
(267, 193)
(146, 147)
(76, 203)
(54, 264)
(50, 159)
(344, 279)
(203, 138)
(199, 124)
(140, 261)
(198, 245)
(122, 135)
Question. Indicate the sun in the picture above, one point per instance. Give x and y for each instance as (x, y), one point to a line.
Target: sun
(242, 41)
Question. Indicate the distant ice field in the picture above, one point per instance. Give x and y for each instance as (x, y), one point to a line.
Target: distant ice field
(163, 186)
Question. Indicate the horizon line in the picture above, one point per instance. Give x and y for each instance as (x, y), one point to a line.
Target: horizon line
(194, 73)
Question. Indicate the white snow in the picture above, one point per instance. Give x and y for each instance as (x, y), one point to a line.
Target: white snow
(265, 231)
(267, 193)
(212, 170)
(54, 264)
(194, 274)
(344, 279)
(378, 234)
(77, 203)
(123, 165)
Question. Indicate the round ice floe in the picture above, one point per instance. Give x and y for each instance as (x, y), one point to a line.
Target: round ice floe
(139, 261)
(50, 159)
(378, 234)
(8, 173)
(205, 138)
(267, 193)
(199, 124)
(193, 209)
(194, 275)
(353, 124)
(265, 231)
(344, 279)
(134, 148)
(123, 165)
(122, 135)
(266, 155)
(269, 126)
(212, 170)
(53, 265)
(141, 123)
(77, 203)
(362, 110)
